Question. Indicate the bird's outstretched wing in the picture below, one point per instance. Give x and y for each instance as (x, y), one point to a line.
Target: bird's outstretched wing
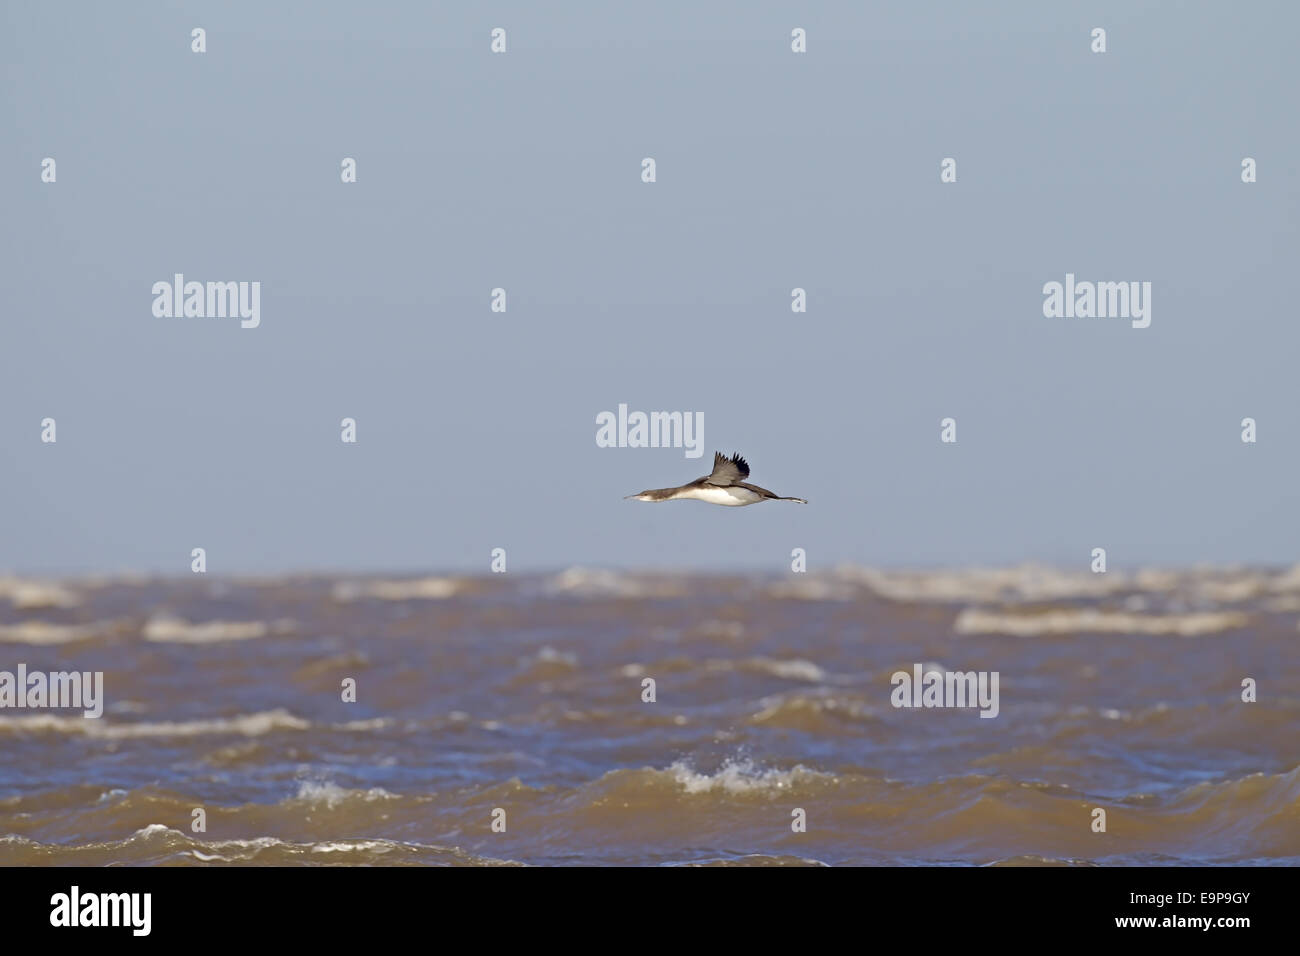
(727, 471)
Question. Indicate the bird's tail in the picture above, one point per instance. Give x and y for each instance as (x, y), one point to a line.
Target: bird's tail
(802, 501)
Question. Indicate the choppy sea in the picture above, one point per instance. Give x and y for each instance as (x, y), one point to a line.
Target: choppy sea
(772, 737)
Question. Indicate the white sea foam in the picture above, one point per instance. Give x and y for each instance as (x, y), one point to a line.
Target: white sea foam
(1030, 583)
(730, 630)
(1024, 583)
(43, 632)
(30, 594)
(378, 846)
(793, 669)
(1288, 580)
(783, 707)
(599, 582)
(331, 795)
(742, 777)
(242, 850)
(796, 669)
(1091, 620)
(166, 629)
(549, 655)
(371, 723)
(247, 725)
(422, 589)
(154, 830)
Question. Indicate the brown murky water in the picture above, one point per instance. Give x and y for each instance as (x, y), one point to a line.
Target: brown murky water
(524, 694)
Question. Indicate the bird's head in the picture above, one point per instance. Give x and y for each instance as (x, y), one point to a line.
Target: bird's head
(654, 494)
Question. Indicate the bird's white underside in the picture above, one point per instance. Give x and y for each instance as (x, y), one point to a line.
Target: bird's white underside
(730, 496)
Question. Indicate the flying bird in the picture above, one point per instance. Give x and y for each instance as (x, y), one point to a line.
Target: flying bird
(725, 486)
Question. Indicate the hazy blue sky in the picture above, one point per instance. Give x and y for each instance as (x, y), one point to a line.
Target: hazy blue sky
(775, 170)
